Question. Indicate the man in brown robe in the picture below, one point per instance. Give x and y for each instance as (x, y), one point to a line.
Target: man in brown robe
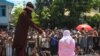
(21, 30)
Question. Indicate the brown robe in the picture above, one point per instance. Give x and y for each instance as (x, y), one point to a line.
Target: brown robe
(21, 30)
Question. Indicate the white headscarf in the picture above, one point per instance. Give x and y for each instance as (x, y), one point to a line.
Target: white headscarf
(67, 34)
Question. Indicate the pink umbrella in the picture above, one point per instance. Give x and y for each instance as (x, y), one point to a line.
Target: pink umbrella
(85, 26)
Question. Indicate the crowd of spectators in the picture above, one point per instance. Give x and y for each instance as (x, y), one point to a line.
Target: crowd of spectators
(86, 42)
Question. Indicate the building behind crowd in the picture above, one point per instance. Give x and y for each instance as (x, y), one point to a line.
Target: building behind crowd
(5, 13)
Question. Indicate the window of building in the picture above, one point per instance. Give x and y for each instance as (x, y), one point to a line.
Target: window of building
(2, 10)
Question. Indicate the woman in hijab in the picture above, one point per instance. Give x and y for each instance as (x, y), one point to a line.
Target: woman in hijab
(66, 45)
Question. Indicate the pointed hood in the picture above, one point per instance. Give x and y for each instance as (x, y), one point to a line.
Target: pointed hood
(66, 33)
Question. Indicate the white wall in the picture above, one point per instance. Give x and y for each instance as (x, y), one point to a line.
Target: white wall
(5, 20)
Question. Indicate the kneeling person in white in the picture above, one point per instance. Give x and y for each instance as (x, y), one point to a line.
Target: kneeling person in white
(66, 45)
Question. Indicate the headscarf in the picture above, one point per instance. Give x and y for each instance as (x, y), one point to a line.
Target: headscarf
(66, 34)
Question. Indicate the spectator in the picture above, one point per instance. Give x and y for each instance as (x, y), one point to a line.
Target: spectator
(83, 40)
(54, 44)
(1, 44)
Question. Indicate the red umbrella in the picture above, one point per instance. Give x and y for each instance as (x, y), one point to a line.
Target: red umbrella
(85, 26)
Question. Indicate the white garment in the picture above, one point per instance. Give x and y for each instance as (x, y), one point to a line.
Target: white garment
(45, 43)
(8, 49)
(66, 45)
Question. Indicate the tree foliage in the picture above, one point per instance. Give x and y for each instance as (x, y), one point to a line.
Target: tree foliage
(93, 20)
(57, 8)
(15, 15)
(51, 13)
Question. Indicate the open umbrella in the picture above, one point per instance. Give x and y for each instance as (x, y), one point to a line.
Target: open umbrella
(85, 26)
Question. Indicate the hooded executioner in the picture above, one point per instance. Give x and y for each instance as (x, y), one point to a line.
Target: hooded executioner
(21, 30)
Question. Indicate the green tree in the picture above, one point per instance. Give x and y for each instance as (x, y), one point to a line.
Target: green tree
(45, 17)
(76, 8)
(43, 12)
(57, 8)
(16, 14)
(56, 14)
(95, 20)
(96, 4)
